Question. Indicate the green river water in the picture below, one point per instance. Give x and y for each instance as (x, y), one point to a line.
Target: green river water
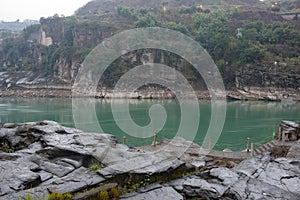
(254, 119)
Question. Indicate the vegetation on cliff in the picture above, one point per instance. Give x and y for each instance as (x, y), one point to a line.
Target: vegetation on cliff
(232, 35)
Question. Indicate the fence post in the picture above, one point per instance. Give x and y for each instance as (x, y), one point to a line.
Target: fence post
(209, 143)
(248, 145)
(252, 149)
(124, 139)
(154, 139)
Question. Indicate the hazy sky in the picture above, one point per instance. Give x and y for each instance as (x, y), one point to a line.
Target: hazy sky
(11, 10)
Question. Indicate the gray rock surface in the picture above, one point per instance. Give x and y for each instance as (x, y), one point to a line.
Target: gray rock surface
(255, 178)
(294, 151)
(225, 175)
(166, 193)
(46, 157)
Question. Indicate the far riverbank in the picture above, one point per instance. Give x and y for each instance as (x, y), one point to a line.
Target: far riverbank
(65, 91)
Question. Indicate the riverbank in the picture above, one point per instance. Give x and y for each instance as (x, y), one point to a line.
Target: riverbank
(64, 91)
(42, 159)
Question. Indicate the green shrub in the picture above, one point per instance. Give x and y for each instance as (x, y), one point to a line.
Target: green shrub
(95, 167)
(29, 197)
(114, 193)
(103, 195)
(5, 147)
(57, 196)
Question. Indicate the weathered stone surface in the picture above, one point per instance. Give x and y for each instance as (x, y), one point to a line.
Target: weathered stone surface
(266, 177)
(283, 173)
(166, 193)
(249, 188)
(56, 158)
(17, 175)
(44, 175)
(51, 158)
(198, 163)
(148, 163)
(9, 156)
(48, 157)
(195, 186)
(227, 176)
(59, 169)
(252, 166)
(256, 178)
(77, 180)
(294, 151)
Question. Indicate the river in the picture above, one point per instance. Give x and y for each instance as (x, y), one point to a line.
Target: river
(254, 119)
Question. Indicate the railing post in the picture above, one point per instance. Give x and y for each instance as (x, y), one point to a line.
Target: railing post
(248, 145)
(154, 139)
(124, 139)
(209, 143)
(252, 149)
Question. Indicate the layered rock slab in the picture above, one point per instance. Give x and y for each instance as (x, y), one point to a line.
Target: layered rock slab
(46, 157)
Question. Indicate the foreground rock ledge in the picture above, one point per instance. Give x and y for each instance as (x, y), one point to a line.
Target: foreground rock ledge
(43, 157)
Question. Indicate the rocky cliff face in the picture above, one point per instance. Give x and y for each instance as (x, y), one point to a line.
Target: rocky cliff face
(276, 75)
(57, 47)
(265, 82)
(72, 40)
